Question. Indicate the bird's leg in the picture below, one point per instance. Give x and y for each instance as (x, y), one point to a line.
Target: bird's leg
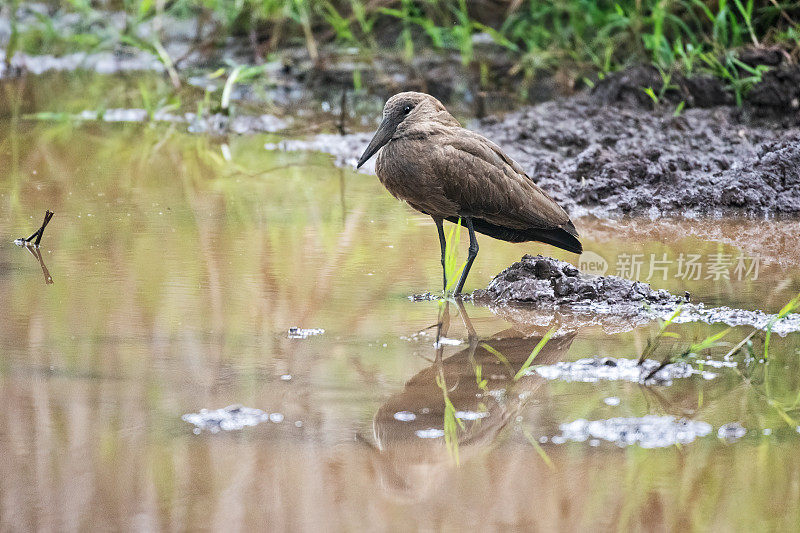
(443, 243)
(467, 322)
(472, 253)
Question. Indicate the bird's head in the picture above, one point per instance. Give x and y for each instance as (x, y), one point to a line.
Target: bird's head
(401, 107)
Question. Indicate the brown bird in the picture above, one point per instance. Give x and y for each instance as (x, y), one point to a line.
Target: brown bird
(448, 172)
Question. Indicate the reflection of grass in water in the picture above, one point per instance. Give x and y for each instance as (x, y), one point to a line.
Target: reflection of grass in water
(653, 342)
(759, 375)
(523, 369)
(529, 361)
(694, 349)
(479, 379)
(783, 408)
(712, 341)
(451, 422)
(790, 307)
(538, 448)
(534, 353)
(492, 350)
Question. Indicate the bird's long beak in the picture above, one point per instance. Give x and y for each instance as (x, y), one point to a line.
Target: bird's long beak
(381, 137)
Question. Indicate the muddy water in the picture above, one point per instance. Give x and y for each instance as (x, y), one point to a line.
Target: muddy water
(179, 265)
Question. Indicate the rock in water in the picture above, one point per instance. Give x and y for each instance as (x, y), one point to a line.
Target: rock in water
(531, 289)
(551, 282)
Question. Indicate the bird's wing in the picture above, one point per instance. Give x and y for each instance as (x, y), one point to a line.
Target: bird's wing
(478, 176)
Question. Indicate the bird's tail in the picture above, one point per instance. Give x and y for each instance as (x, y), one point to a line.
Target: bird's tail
(560, 238)
(565, 238)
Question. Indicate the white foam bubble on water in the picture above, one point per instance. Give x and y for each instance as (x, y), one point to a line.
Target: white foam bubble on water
(405, 416)
(731, 432)
(591, 370)
(649, 431)
(429, 433)
(471, 415)
(233, 417)
(300, 333)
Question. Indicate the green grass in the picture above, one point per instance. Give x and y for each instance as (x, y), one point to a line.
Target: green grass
(452, 270)
(790, 307)
(713, 341)
(583, 38)
(654, 342)
(538, 348)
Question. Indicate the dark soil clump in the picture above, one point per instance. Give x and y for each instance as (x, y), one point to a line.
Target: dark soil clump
(550, 282)
(540, 284)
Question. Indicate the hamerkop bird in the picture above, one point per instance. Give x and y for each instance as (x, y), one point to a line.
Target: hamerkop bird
(449, 172)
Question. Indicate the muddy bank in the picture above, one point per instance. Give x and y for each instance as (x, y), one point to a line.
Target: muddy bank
(544, 283)
(623, 160)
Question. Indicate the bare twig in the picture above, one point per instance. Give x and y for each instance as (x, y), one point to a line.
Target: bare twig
(738, 346)
(784, 14)
(39, 232)
(342, 114)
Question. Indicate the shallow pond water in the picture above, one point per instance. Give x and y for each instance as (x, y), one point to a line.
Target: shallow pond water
(171, 279)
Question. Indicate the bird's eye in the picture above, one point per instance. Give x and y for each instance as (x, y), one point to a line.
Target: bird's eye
(407, 109)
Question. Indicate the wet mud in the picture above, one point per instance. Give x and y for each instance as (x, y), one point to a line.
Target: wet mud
(617, 304)
(616, 160)
(551, 282)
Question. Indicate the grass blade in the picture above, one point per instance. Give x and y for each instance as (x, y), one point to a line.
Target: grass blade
(534, 353)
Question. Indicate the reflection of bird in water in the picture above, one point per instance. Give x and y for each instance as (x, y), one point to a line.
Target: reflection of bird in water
(409, 427)
(35, 252)
(449, 172)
